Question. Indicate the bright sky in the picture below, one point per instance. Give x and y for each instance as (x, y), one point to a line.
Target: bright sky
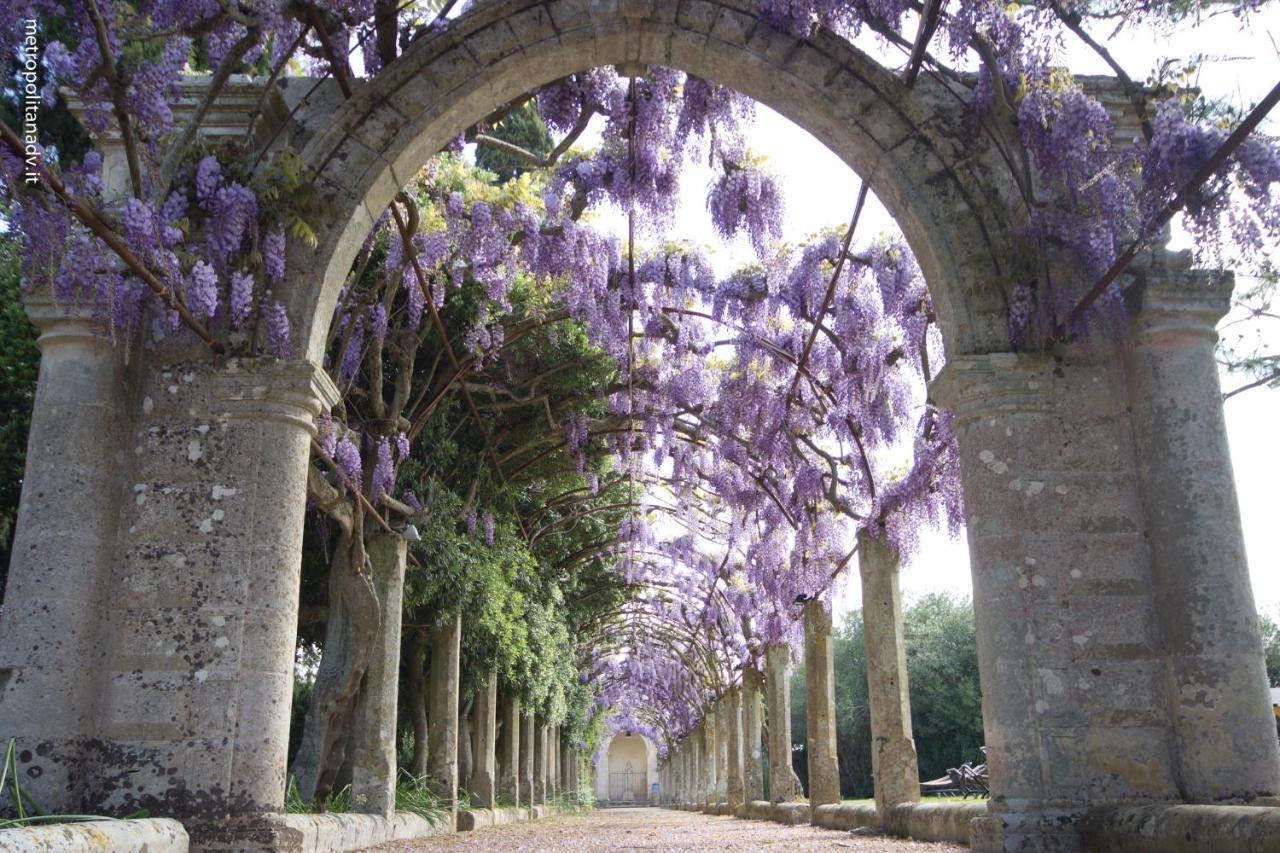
(820, 193)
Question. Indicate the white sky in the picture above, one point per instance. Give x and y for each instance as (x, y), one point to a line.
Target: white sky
(820, 193)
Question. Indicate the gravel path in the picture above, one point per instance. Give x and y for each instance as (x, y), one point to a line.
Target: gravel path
(659, 829)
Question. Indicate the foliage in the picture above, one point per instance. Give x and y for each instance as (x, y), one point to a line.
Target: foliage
(1247, 344)
(1270, 629)
(19, 367)
(523, 127)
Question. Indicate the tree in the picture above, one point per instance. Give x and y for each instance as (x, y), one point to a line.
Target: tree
(19, 367)
(1270, 629)
(523, 128)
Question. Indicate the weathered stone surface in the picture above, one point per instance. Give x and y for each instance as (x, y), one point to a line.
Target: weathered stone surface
(152, 835)
(201, 614)
(911, 144)
(1183, 829)
(484, 771)
(1074, 702)
(790, 813)
(710, 758)
(527, 762)
(63, 547)
(752, 747)
(442, 714)
(820, 707)
(541, 737)
(373, 742)
(509, 748)
(784, 785)
(893, 751)
(337, 833)
(471, 819)
(732, 705)
(1216, 675)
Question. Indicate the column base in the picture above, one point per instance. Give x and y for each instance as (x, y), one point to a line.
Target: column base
(1028, 832)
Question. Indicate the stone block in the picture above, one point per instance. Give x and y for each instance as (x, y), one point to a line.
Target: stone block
(152, 835)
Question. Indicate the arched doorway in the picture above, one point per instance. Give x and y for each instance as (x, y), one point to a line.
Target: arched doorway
(624, 775)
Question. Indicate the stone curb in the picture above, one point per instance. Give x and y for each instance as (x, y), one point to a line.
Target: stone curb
(152, 835)
(1183, 829)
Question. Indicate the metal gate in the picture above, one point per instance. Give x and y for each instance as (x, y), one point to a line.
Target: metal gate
(628, 786)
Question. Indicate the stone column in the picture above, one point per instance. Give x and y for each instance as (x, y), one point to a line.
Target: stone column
(698, 780)
(63, 551)
(553, 763)
(820, 707)
(1074, 698)
(689, 785)
(540, 763)
(784, 786)
(442, 713)
(373, 742)
(509, 749)
(693, 740)
(528, 731)
(893, 751)
(566, 765)
(1216, 677)
(722, 750)
(752, 715)
(200, 620)
(484, 761)
(711, 756)
(733, 785)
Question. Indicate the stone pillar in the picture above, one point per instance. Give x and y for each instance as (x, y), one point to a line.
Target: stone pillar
(63, 552)
(566, 765)
(553, 786)
(699, 778)
(722, 750)
(540, 763)
(784, 786)
(553, 762)
(373, 742)
(528, 730)
(484, 761)
(442, 714)
(509, 749)
(752, 715)
(1074, 697)
(690, 771)
(1216, 677)
(820, 707)
(200, 620)
(711, 756)
(733, 730)
(893, 751)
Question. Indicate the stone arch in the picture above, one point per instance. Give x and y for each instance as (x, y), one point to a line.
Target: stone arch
(915, 147)
(630, 761)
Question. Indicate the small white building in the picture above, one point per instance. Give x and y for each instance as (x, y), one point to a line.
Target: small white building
(628, 772)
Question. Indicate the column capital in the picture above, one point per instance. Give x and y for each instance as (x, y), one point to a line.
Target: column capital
(62, 323)
(1170, 300)
(975, 386)
(248, 389)
(817, 616)
(874, 556)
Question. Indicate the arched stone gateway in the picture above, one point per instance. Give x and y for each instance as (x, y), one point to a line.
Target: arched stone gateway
(147, 645)
(627, 771)
(915, 147)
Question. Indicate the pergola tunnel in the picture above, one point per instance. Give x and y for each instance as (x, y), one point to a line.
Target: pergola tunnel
(410, 456)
